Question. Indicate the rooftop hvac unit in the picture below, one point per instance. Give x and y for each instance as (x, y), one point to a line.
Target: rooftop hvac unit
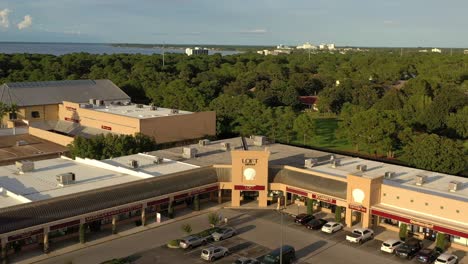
(203, 142)
(133, 164)
(66, 178)
(139, 106)
(335, 163)
(421, 179)
(153, 107)
(99, 102)
(189, 153)
(24, 166)
(20, 143)
(174, 111)
(332, 157)
(92, 101)
(86, 105)
(309, 163)
(259, 140)
(361, 167)
(389, 174)
(455, 186)
(158, 160)
(226, 146)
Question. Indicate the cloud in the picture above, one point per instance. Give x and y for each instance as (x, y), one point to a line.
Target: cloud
(4, 21)
(391, 23)
(72, 32)
(27, 22)
(254, 31)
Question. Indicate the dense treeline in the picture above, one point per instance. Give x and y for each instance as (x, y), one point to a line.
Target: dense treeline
(409, 107)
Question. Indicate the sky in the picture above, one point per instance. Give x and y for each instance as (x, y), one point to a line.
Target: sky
(388, 23)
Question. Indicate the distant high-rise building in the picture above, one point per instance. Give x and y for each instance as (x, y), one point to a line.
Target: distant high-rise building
(436, 50)
(306, 45)
(196, 51)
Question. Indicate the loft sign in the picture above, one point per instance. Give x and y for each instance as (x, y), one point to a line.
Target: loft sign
(250, 162)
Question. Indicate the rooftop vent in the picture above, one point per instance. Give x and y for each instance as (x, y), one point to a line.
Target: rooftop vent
(20, 143)
(389, 175)
(189, 153)
(204, 142)
(65, 178)
(335, 163)
(421, 179)
(361, 167)
(133, 164)
(92, 101)
(226, 146)
(455, 186)
(174, 111)
(86, 105)
(24, 166)
(99, 102)
(259, 140)
(158, 160)
(139, 106)
(309, 163)
(153, 107)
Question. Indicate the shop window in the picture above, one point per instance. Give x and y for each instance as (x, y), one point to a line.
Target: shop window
(35, 114)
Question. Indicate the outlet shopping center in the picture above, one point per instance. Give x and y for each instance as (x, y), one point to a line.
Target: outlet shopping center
(51, 200)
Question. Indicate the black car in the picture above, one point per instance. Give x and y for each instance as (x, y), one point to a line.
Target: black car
(427, 255)
(316, 223)
(409, 248)
(303, 218)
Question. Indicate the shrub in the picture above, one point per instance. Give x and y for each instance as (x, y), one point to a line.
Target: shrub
(440, 242)
(82, 233)
(196, 203)
(187, 228)
(403, 232)
(173, 243)
(213, 219)
(310, 206)
(170, 211)
(338, 214)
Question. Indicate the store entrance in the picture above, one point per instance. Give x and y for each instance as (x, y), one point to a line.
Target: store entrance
(249, 197)
(356, 218)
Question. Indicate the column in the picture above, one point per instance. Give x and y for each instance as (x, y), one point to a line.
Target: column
(4, 250)
(82, 233)
(235, 198)
(262, 198)
(349, 218)
(114, 224)
(46, 240)
(220, 196)
(143, 216)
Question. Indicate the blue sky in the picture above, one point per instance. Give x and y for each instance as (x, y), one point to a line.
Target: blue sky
(249, 22)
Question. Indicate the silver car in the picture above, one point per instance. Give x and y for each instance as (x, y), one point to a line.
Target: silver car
(224, 233)
(244, 260)
(191, 241)
(213, 253)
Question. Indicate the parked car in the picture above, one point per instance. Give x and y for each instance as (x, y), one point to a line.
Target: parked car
(360, 235)
(213, 253)
(409, 248)
(390, 245)
(303, 218)
(316, 224)
(427, 255)
(286, 253)
(446, 258)
(192, 241)
(244, 260)
(225, 232)
(331, 227)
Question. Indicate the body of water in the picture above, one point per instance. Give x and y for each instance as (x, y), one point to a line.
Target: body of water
(66, 48)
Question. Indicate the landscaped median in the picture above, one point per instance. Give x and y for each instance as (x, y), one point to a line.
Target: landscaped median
(205, 234)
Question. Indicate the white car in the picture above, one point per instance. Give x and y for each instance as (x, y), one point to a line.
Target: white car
(225, 232)
(213, 253)
(390, 245)
(446, 258)
(331, 227)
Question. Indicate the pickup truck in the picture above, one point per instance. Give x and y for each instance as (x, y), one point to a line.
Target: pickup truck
(360, 235)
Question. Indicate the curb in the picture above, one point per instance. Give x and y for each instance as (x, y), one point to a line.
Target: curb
(114, 237)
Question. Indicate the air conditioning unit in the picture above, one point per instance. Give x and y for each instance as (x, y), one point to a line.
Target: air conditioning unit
(421, 179)
(133, 164)
(158, 160)
(65, 178)
(204, 142)
(153, 107)
(92, 101)
(389, 174)
(259, 140)
(86, 106)
(361, 167)
(139, 106)
(332, 157)
(225, 146)
(335, 163)
(99, 102)
(189, 153)
(174, 111)
(20, 143)
(309, 163)
(24, 166)
(455, 186)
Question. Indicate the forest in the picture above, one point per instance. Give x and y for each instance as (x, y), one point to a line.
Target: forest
(412, 108)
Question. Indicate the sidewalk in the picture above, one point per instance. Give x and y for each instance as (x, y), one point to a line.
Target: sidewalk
(125, 233)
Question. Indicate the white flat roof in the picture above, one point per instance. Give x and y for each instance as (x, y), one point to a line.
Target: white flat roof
(41, 183)
(141, 113)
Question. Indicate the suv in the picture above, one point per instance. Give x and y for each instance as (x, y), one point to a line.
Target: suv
(446, 258)
(213, 253)
(303, 218)
(427, 255)
(191, 241)
(286, 253)
(316, 224)
(409, 248)
(390, 245)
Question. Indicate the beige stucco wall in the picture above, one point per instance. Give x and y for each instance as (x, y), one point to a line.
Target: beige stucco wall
(87, 117)
(180, 127)
(416, 201)
(46, 112)
(50, 136)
